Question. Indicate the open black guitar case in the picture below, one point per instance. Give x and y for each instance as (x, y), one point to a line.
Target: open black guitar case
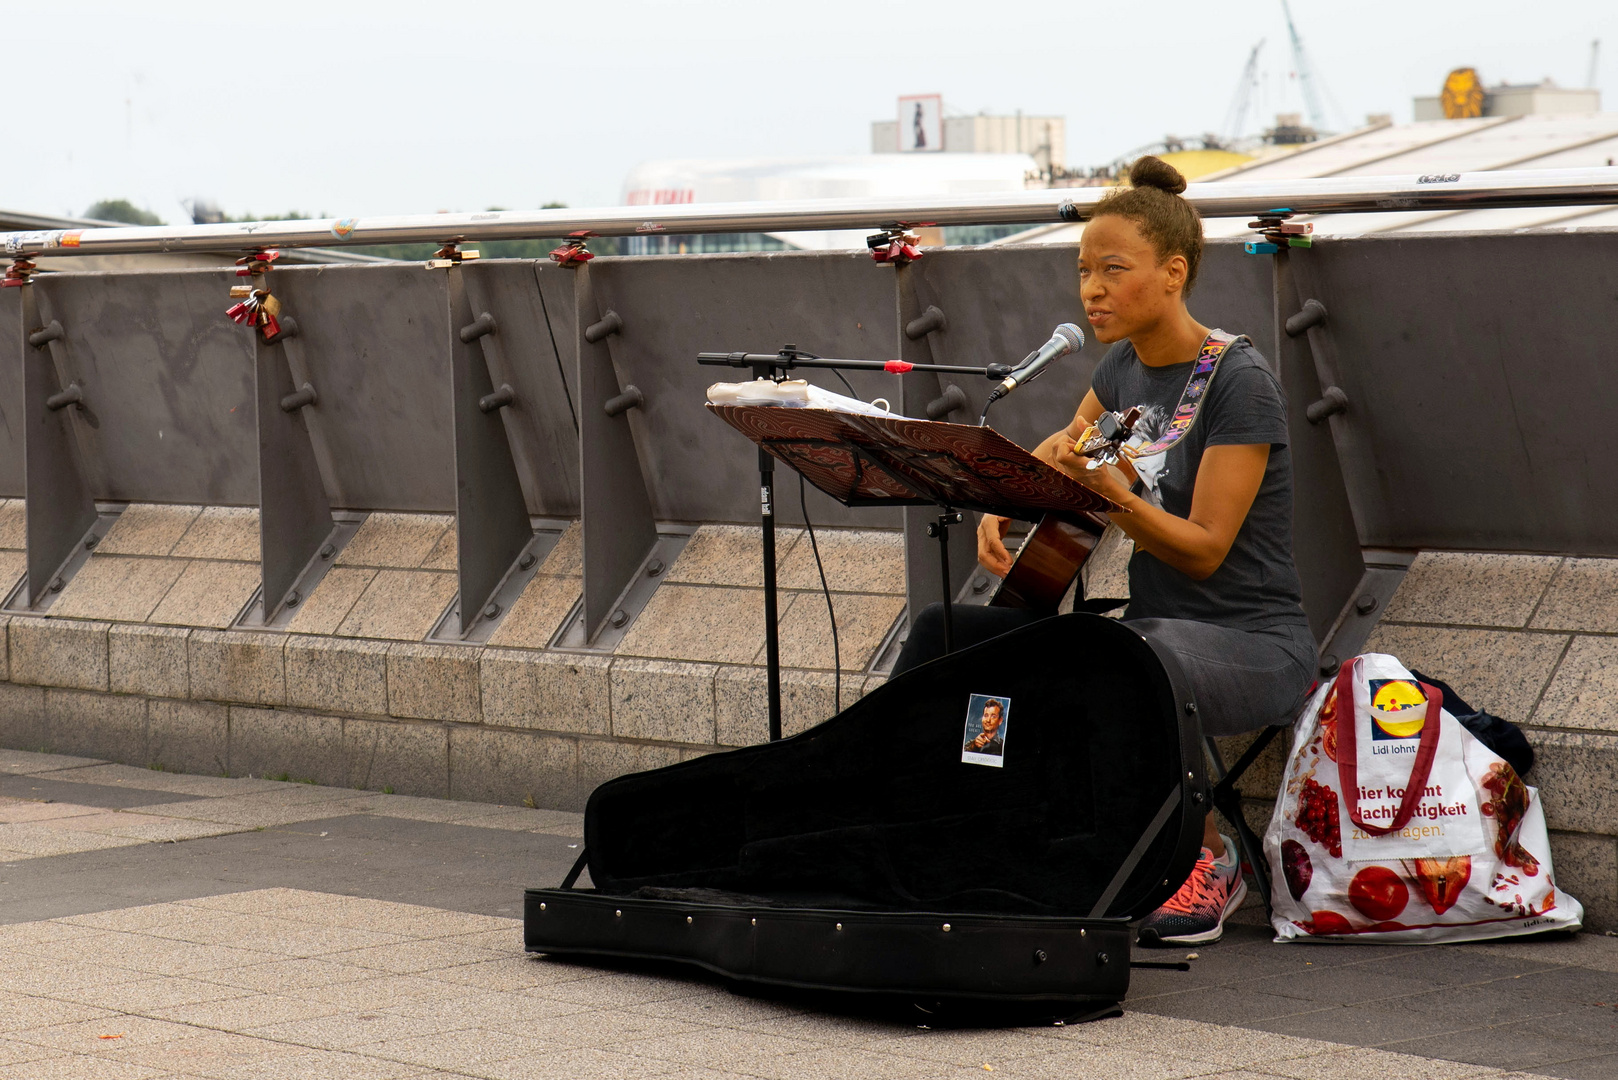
(866, 856)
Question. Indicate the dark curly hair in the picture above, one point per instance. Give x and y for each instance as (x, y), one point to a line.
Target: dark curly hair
(1152, 201)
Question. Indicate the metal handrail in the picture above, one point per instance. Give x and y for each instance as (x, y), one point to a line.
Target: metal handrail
(1235, 198)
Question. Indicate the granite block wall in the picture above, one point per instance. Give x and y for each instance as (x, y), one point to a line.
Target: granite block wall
(141, 659)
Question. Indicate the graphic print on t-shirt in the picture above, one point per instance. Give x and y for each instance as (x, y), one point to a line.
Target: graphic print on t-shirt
(1154, 420)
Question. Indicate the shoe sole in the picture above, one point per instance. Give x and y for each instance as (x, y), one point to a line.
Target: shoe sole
(1207, 937)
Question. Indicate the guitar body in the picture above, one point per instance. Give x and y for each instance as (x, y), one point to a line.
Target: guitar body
(1046, 564)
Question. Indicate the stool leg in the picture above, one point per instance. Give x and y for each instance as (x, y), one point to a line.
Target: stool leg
(1228, 801)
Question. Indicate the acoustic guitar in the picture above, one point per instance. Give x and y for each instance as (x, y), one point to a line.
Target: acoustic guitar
(1052, 554)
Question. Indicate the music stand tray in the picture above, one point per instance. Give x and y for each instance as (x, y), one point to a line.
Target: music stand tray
(896, 461)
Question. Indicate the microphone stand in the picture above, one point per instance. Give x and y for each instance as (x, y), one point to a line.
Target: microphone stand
(775, 366)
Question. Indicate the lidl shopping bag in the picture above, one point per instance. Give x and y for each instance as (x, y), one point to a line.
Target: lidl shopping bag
(1395, 824)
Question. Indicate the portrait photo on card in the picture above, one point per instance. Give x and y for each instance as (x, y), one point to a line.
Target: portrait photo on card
(984, 740)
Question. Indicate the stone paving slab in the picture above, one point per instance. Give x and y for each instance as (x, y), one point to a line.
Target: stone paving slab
(382, 940)
(22, 763)
(434, 1005)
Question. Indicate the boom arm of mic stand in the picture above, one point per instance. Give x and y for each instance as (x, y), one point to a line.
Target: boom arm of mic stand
(786, 361)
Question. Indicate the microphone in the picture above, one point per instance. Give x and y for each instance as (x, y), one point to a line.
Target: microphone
(1066, 338)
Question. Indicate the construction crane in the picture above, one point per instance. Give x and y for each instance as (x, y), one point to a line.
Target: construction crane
(1236, 117)
(1595, 57)
(1306, 75)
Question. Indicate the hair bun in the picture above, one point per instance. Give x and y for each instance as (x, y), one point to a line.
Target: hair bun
(1155, 172)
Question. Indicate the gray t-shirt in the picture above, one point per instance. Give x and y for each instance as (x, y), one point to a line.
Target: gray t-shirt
(1256, 587)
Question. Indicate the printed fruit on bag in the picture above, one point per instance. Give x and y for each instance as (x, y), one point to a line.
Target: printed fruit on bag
(1296, 866)
(1508, 802)
(1328, 727)
(1317, 817)
(1442, 880)
(1378, 893)
(1326, 922)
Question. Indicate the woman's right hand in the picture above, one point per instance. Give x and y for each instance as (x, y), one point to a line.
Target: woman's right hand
(992, 551)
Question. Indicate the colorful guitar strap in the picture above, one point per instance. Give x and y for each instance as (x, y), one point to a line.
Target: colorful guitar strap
(1196, 388)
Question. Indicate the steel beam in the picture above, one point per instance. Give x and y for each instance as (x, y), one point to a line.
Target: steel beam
(60, 507)
(294, 512)
(491, 518)
(616, 512)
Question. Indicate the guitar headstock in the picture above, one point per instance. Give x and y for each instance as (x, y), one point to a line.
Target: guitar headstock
(1104, 440)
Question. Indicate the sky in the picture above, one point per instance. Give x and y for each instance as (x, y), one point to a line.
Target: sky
(356, 107)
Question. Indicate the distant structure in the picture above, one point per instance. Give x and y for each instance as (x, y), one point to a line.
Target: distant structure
(677, 181)
(1043, 138)
(1464, 97)
(1553, 137)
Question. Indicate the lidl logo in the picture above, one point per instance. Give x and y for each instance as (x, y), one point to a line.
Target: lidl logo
(1398, 709)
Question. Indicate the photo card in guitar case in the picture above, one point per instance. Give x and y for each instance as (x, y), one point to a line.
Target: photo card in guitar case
(984, 740)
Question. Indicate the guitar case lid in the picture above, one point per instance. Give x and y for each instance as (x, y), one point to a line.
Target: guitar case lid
(908, 845)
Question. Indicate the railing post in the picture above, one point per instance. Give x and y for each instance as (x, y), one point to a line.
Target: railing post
(615, 510)
(60, 508)
(918, 390)
(294, 512)
(491, 516)
(1325, 541)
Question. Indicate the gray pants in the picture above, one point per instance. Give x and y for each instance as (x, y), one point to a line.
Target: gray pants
(1243, 680)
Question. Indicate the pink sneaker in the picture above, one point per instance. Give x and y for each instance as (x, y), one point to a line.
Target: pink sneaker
(1196, 914)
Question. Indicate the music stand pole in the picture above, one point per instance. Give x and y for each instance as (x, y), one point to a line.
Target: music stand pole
(939, 530)
(772, 632)
(772, 629)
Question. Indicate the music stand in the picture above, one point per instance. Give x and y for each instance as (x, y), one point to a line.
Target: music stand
(896, 461)
(775, 366)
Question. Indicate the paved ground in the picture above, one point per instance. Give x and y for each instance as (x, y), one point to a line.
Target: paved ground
(159, 925)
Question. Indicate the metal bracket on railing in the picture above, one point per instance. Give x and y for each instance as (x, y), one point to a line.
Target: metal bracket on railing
(497, 400)
(1332, 401)
(1312, 314)
(606, 326)
(73, 395)
(925, 323)
(951, 399)
(289, 329)
(573, 252)
(631, 398)
(304, 395)
(478, 327)
(1278, 233)
(41, 338)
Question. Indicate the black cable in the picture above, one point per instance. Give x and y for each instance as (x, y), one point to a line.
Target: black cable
(831, 612)
(847, 385)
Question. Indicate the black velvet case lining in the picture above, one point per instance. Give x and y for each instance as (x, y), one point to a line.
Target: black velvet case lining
(875, 808)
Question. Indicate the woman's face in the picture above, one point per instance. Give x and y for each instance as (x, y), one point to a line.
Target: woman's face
(1123, 286)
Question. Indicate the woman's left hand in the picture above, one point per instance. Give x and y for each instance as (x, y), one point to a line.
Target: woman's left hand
(1105, 481)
